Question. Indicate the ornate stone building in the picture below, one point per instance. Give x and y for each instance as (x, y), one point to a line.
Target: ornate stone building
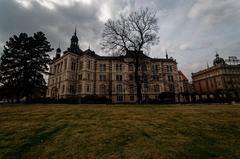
(221, 81)
(79, 73)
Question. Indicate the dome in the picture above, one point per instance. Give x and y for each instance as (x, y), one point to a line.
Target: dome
(58, 50)
(218, 60)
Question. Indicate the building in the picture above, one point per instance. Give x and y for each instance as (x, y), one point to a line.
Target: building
(77, 73)
(185, 89)
(219, 82)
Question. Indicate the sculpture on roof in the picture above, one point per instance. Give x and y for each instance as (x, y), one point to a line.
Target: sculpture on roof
(218, 60)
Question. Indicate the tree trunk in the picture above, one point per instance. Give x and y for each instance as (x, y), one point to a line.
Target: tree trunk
(137, 80)
(18, 98)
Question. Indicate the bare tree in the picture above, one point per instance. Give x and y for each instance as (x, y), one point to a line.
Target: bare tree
(134, 33)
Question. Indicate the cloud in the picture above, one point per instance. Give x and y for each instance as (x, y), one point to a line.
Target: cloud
(191, 47)
(215, 12)
(191, 30)
(184, 46)
(51, 4)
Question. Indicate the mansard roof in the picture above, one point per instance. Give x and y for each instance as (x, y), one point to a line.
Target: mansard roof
(128, 55)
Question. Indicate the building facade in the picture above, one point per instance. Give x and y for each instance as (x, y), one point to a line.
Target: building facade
(77, 73)
(185, 88)
(221, 81)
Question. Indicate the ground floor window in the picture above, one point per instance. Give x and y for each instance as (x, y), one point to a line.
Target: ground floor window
(88, 89)
(119, 98)
(63, 88)
(131, 98)
(72, 90)
(80, 88)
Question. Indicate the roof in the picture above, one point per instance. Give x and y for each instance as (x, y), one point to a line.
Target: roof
(129, 54)
(183, 76)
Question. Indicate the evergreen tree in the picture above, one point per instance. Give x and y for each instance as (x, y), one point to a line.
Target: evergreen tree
(23, 63)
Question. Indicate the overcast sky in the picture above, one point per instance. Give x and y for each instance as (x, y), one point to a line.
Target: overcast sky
(191, 30)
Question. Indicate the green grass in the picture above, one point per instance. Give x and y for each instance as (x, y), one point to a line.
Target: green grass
(120, 131)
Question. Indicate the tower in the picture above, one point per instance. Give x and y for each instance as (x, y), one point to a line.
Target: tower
(58, 52)
(74, 47)
(166, 54)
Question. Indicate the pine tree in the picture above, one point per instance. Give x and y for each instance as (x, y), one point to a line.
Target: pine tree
(23, 63)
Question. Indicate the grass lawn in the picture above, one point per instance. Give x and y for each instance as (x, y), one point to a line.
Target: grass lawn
(120, 131)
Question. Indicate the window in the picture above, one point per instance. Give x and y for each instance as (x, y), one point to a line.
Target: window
(169, 68)
(80, 88)
(88, 76)
(55, 69)
(89, 65)
(130, 67)
(73, 66)
(80, 77)
(144, 67)
(65, 64)
(145, 87)
(72, 90)
(80, 65)
(102, 77)
(118, 67)
(156, 88)
(171, 88)
(170, 78)
(119, 77)
(119, 98)
(155, 77)
(102, 89)
(144, 77)
(88, 89)
(63, 88)
(102, 67)
(58, 68)
(131, 89)
(61, 66)
(130, 77)
(155, 68)
(119, 88)
(131, 98)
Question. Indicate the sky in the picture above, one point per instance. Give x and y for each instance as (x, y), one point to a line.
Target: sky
(192, 31)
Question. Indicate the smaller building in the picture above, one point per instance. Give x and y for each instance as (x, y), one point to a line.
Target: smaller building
(185, 90)
(221, 82)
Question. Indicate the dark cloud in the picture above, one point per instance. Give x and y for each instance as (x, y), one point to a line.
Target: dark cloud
(191, 30)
